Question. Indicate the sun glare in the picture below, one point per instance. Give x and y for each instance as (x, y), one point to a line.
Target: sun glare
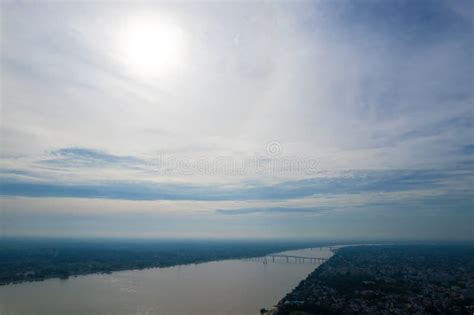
(151, 46)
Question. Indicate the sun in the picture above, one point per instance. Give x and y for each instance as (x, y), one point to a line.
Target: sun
(151, 46)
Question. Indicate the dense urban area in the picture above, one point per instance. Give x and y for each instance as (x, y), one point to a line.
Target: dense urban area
(388, 280)
(35, 260)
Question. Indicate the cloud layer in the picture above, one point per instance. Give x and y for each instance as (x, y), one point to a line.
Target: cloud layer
(372, 101)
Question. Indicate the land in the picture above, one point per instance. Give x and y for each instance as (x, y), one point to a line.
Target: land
(410, 279)
(35, 260)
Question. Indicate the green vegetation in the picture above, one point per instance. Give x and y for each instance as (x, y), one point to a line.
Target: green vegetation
(33, 260)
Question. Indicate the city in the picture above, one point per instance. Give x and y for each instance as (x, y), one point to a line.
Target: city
(236, 157)
(397, 279)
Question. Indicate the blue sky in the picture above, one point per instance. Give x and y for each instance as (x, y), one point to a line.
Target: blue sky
(321, 119)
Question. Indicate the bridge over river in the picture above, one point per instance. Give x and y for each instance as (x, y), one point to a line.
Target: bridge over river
(288, 259)
(295, 258)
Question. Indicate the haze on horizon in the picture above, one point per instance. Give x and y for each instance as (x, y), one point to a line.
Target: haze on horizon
(311, 119)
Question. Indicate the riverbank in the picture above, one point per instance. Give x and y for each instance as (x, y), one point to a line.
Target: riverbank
(332, 249)
(38, 260)
(231, 287)
(396, 279)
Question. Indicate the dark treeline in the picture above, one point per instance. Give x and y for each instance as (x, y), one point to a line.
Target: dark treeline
(33, 260)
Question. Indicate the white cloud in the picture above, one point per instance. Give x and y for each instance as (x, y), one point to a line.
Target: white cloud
(350, 93)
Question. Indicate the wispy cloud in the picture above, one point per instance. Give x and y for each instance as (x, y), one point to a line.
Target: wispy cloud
(379, 94)
(275, 210)
(354, 183)
(84, 157)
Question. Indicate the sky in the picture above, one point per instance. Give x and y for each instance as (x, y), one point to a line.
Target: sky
(270, 119)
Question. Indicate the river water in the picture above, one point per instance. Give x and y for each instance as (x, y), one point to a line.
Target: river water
(234, 287)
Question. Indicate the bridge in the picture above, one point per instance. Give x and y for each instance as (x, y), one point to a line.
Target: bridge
(288, 259)
(297, 258)
(294, 258)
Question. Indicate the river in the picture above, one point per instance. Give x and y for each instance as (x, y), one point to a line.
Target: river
(233, 287)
